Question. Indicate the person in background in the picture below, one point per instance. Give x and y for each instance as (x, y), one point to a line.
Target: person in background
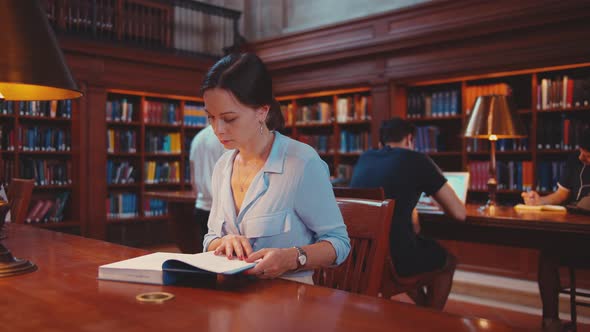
(573, 186)
(272, 197)
(404, 175)
(205, 151)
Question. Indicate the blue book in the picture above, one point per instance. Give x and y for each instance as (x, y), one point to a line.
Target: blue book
(162, 268)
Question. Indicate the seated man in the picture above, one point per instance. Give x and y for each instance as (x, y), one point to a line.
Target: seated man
(404, 175)
(572, 187)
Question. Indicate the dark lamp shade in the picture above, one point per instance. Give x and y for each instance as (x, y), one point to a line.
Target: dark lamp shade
(32, 66)
(492, 115)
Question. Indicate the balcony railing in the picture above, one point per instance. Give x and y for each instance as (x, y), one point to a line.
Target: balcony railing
(181, 26)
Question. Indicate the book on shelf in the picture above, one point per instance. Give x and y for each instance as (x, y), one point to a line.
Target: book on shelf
(545, 208)
(162, 268)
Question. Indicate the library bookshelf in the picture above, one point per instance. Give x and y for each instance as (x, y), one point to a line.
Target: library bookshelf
(337, 123)
(39, 140)
(148, 142)
(552, 102)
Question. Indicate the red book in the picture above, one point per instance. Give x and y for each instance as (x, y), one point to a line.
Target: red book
(43, 211)
(34, 211)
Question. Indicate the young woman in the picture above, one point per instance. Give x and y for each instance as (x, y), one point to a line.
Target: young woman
(272, 198)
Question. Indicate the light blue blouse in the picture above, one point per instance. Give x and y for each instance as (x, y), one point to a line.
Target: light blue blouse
(290, 202)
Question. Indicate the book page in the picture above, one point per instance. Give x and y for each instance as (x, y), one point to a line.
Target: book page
(218, 264)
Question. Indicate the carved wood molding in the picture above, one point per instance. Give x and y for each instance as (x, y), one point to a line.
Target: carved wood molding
(434, 39)
(416, 26)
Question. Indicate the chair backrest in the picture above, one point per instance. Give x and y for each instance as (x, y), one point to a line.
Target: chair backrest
(19, 194)
(368, 223)
(366, 193)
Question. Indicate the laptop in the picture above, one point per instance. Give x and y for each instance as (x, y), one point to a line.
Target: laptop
(459, 181)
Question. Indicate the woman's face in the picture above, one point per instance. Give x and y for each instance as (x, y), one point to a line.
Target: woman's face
(235, 125)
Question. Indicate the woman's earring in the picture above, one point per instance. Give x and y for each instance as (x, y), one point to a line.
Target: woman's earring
(261, 128)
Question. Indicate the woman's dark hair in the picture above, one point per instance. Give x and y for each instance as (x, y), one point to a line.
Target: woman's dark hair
(395, 129)
(247, 78)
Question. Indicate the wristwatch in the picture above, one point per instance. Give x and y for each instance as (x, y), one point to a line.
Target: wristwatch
(301, 257)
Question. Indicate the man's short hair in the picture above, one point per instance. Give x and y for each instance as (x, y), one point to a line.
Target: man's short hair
(585, 138)
(395, 129)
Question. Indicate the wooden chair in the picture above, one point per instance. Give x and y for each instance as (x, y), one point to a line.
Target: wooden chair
(366, 193)
(19, 194)
(392, 282)
(368, 223)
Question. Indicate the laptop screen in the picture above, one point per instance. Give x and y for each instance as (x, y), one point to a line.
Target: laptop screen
(459, 181)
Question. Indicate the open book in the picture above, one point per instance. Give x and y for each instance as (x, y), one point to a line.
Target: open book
(552, 208)
(163, 268)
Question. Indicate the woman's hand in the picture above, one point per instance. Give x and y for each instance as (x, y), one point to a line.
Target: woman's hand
(275, 262)
(234, 244)
(531, 198)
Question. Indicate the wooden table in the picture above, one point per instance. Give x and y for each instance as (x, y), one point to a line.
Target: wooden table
(64, 295)
(506, 226)
(187, 232)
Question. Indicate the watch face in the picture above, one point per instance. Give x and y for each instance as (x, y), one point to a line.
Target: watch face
(302, 259)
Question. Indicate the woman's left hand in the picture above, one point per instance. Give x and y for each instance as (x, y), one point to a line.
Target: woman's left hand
(275, 262)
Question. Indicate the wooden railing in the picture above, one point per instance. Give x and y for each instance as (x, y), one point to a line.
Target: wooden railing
(182, 26)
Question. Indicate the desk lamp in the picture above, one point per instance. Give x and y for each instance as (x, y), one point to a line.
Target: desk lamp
(493, 118)
(32, 67)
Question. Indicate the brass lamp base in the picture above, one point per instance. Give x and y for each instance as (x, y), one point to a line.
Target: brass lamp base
(12, 266)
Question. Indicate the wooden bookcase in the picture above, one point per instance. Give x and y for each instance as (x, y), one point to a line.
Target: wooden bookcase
(531, 163)
(152, 136)
(337, 123)
(40, 140)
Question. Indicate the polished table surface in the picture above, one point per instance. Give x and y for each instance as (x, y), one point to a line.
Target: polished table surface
(506, 226)
(64, 295)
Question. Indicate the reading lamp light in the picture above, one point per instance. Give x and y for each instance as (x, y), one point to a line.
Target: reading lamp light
(493, 118)
(32, 67)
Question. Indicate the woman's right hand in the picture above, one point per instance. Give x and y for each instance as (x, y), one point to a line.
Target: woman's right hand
(234, 244)
(531, 198)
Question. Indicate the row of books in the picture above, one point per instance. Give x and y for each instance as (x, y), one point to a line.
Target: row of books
(7, 171)
(474, 91)
(548, 174)
(288, 113)
(504, 144)
(38, 138)
(47, 172)
(427, 139)
(195, 115)
(160, 112)
(48, 210)
(352, 108)
(320, 112)
(162, 143)
(7, 137)
(119, 110)
(354, 141)
(511, 175)
(562, 134)
(121, 205)
(155, 207)
(434, 104)
(6, 107)
(563, 92)
(321, 143)
(162, 172)
(120, 172)
(51, 109)
(121, 140)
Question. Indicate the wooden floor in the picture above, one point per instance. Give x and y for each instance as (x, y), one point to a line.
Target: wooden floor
(458, 305)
